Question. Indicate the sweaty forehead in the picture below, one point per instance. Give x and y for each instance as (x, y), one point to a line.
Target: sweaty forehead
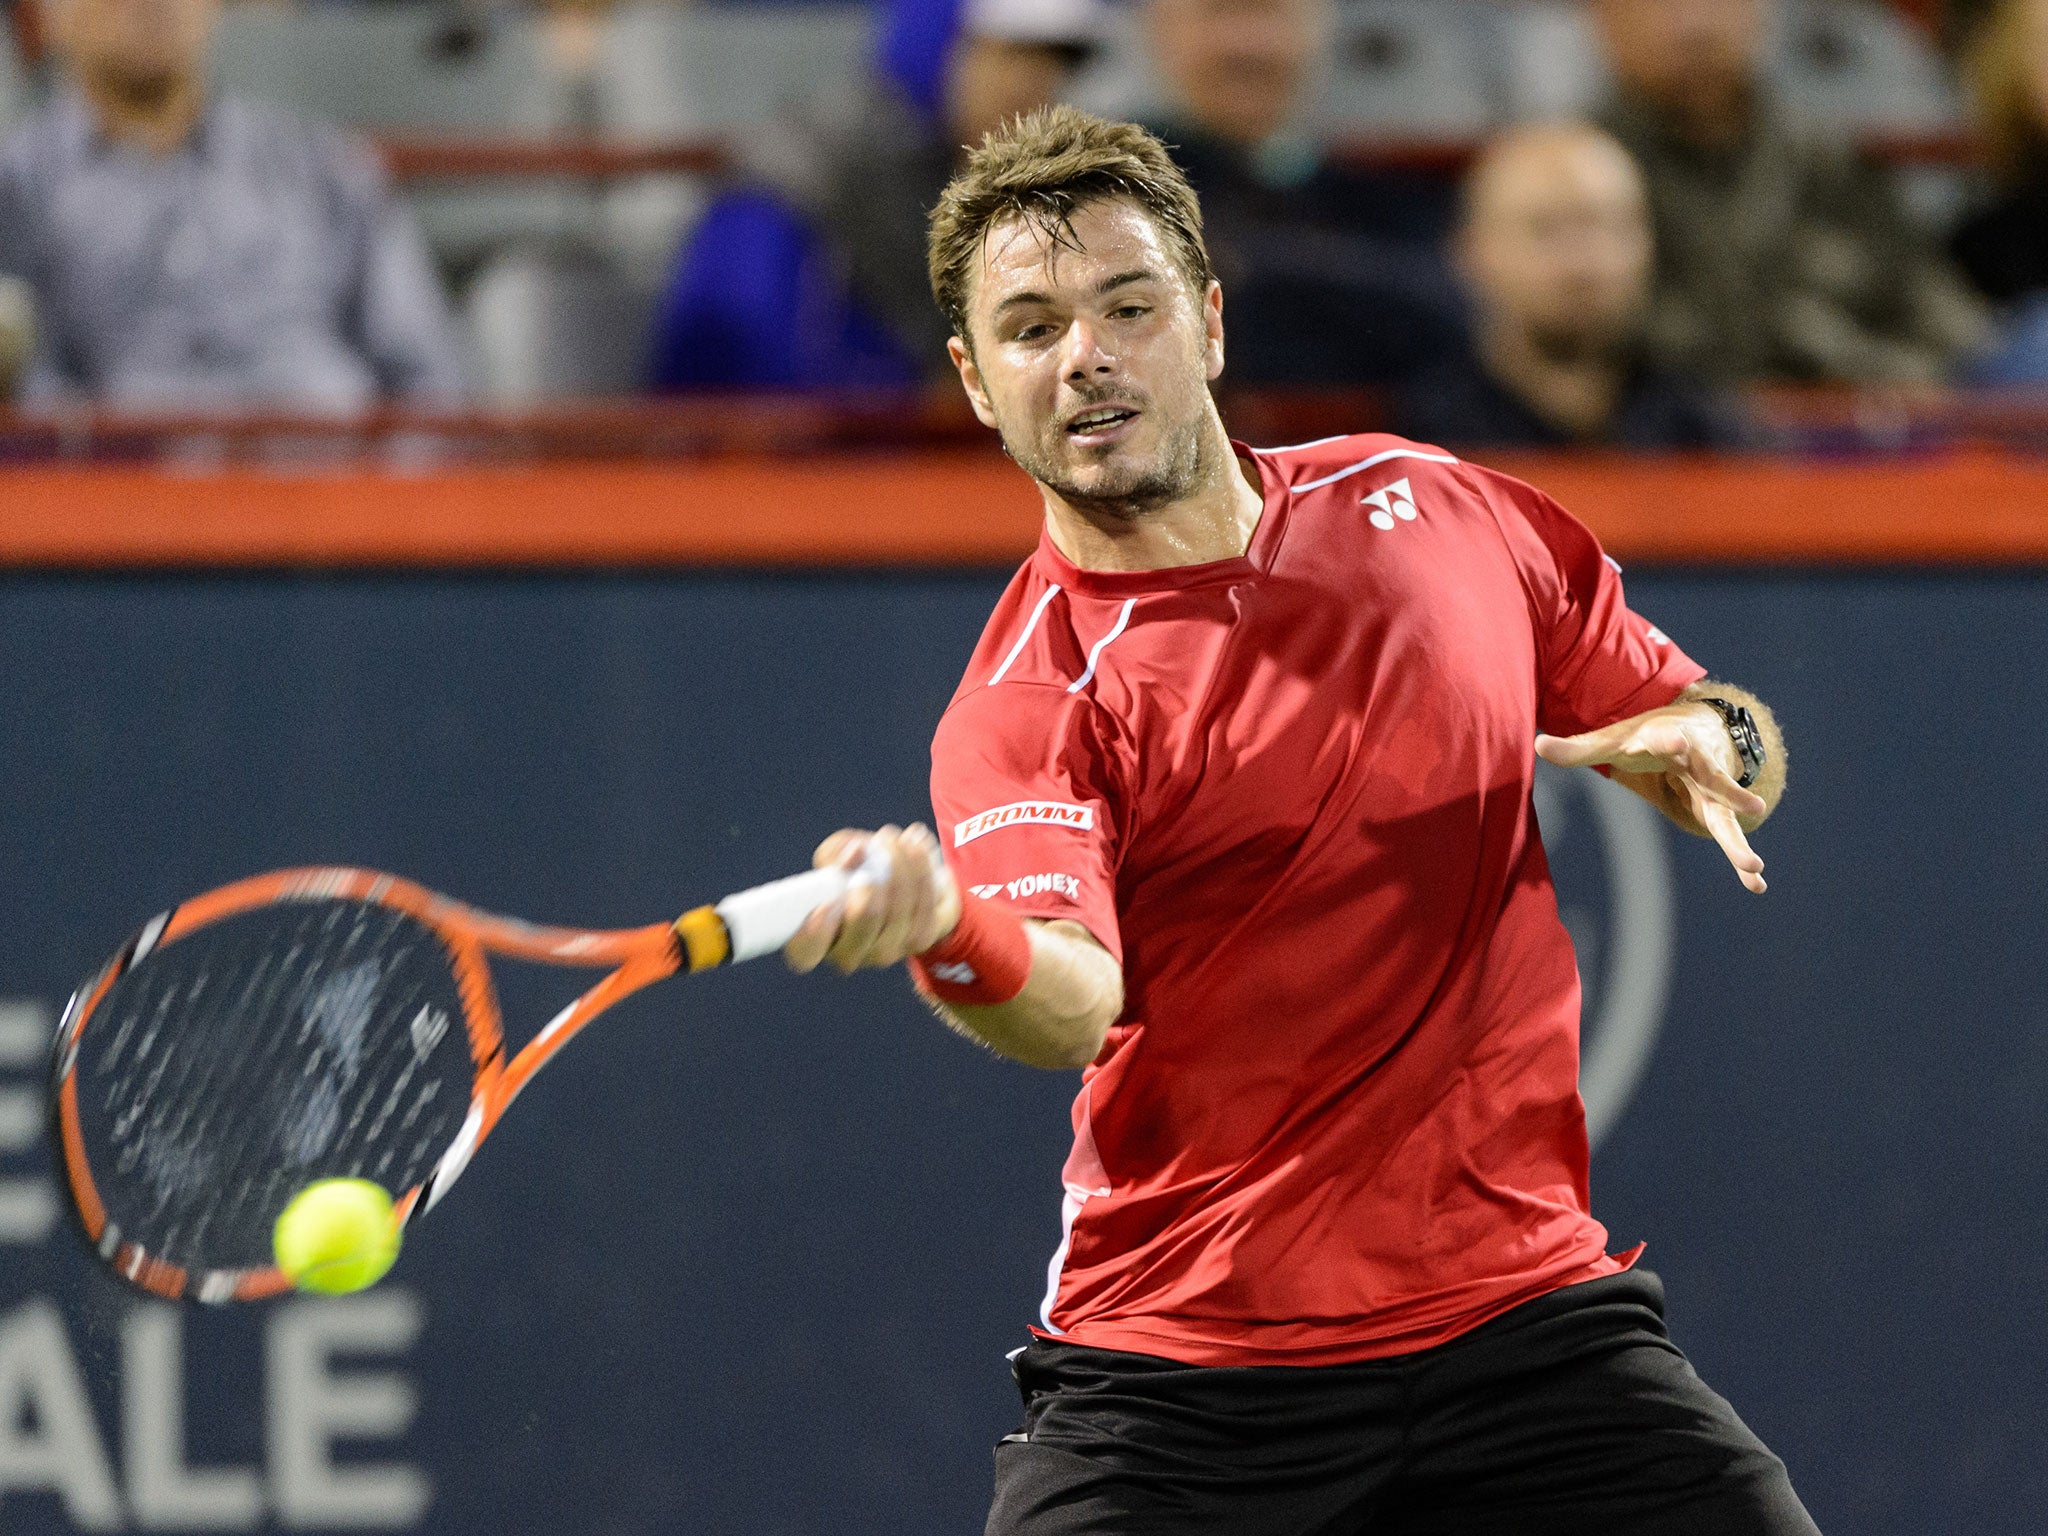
(1105, 237)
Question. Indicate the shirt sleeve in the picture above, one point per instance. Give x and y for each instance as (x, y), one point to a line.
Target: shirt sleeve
(398, 313)
(1025, 789)
(1599, 660)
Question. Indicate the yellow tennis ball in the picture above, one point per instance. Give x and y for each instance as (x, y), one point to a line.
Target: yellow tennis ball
(336, 1236)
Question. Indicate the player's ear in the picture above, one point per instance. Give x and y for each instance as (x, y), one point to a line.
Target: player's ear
(1212, 325)
(970, 380)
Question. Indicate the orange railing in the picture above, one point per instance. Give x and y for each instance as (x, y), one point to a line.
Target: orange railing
(797, 482)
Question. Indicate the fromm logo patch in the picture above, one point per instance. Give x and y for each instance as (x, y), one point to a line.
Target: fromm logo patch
(1059, 813)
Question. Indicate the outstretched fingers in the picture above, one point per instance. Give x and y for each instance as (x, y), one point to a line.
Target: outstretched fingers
(1666, 745)
(1713, 776)
(1580, 751)
(1720, 821)
(1630, 745)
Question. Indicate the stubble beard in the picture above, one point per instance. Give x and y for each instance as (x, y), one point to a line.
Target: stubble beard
(1174, 474)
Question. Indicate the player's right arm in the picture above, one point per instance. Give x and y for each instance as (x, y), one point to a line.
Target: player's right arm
(909, 901)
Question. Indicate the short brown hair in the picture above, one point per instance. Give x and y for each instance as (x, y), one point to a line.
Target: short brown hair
(1043, 167)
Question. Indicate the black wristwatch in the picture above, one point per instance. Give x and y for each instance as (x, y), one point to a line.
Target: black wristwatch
(1749, 741)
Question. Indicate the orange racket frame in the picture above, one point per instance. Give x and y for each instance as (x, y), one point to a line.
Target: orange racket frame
(742, 926)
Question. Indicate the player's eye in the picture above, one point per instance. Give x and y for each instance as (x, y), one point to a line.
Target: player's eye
(1130, 311)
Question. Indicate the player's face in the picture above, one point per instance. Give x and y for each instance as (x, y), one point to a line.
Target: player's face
(1092, 356)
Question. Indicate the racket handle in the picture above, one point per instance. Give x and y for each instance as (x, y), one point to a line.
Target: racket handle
(767, 917)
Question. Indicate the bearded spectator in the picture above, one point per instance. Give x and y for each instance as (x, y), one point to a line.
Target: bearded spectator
(193, 251)
(2003, 244)
(1555, 250)
(1780, 253)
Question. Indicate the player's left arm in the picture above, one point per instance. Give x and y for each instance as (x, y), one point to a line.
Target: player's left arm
(1682, 760)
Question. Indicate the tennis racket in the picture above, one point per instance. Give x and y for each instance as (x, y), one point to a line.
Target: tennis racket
(324, 1023)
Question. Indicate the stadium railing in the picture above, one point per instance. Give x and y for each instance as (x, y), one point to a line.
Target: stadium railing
(900, 481)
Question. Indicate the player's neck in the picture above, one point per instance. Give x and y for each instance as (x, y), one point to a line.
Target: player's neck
(1215, 521)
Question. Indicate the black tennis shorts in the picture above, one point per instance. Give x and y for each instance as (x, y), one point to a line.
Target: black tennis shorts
(1572, 1415)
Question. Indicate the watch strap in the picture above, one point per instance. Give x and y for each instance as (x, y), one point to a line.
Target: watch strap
(1742, 730)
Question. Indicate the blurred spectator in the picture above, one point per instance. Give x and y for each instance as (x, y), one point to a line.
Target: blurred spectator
(195, 252)
(1555, 248)
(811, 273)
(2003, 246)
(17, 333)
(1780, 254)
(1956, 20)
(1330, 275)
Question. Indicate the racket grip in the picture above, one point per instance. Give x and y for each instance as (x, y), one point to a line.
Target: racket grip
(767, 917)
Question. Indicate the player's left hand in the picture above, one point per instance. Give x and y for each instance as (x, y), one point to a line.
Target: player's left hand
(1688, 745)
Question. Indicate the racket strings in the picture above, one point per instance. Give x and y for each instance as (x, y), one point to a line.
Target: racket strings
(225, 1071)
(264, 980)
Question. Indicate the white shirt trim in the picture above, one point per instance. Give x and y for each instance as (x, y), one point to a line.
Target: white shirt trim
(1029, 625)
(1102, 645)
(1312, 443)
(1378, 458)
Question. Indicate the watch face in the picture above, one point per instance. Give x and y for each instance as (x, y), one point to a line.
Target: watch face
(1749, 741)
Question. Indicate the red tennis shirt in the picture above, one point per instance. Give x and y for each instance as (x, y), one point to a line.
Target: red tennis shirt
(1339, 1117)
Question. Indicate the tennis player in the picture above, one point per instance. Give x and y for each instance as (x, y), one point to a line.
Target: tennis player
(1234, 811)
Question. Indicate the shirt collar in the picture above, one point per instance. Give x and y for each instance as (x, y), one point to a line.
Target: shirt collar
(1255, 561)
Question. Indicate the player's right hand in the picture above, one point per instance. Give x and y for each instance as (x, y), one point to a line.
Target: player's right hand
(903, 900)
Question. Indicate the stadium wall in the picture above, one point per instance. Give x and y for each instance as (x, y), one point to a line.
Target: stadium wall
(748, 1258)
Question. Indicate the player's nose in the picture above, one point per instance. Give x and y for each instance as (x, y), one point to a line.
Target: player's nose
(1087, 354)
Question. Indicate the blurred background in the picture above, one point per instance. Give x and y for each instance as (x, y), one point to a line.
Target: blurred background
(511, 444)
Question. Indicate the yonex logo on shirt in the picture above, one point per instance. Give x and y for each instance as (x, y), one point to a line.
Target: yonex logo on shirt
(1025, 886)
(1059, 812)
(959, 972)
(1390, 502)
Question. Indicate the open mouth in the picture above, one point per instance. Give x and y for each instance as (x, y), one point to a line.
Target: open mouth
(1099, 422)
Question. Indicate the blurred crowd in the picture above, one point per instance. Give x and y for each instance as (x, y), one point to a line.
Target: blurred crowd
(1654, 225)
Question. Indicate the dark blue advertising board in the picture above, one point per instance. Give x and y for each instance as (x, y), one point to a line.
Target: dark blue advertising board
(748, 1257)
